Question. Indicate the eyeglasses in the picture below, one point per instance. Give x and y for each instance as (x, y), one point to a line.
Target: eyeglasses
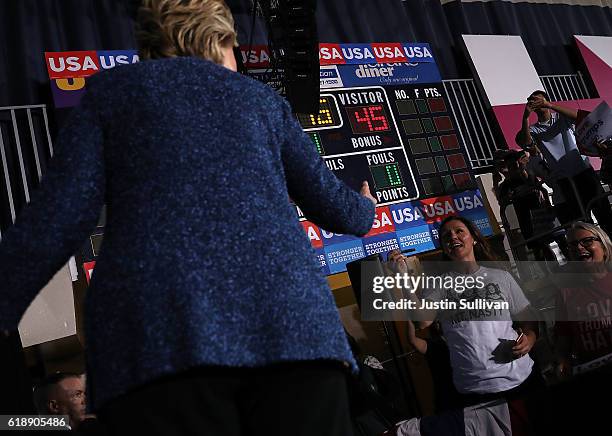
(585, 242)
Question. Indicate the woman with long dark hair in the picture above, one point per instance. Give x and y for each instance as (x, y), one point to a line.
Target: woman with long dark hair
(481, 249)
(489, 358)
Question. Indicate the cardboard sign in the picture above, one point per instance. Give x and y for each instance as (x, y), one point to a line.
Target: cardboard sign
(596, 126)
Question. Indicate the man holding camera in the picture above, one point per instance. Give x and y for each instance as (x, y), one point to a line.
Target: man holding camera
(553, 134)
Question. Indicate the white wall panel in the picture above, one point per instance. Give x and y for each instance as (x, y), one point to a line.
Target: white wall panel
(503, 67)
(51, 314)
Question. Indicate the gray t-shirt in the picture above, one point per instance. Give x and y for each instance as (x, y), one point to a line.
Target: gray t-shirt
(480, 339)
(558, 146)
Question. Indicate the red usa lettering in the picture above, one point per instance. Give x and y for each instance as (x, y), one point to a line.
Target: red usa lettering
(72, 63)
(61, 65)
(382, 222)
(329, 53)
(388, 52)
(255, 57)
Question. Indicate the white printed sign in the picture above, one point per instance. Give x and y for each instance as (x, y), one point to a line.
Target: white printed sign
(596, 126)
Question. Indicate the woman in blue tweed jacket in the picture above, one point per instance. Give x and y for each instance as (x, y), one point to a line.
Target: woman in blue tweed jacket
(207, 309)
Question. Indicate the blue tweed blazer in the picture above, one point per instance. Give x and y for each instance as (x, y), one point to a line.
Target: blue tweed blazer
(204, 261)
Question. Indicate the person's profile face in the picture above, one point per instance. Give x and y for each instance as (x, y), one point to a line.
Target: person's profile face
(70, 399)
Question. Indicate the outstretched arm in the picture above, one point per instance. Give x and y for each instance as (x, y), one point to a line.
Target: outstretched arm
(62, 212)
(323, 198)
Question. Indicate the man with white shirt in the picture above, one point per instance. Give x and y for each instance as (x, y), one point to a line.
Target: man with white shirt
(553, 133)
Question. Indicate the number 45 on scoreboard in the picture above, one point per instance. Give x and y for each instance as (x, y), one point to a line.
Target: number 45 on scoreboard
(368, 119)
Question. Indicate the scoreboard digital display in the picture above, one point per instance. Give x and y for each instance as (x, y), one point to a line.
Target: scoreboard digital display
(386, 176)
(400, 138)
(356, 134)
(368, 119)
(327, 118)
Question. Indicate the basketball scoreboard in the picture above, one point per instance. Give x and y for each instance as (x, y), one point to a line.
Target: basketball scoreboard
(390, 123)
(404, 145)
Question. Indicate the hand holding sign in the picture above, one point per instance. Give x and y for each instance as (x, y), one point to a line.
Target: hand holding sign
(602, 146)
(594, 130)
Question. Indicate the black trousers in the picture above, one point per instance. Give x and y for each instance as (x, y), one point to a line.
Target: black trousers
(588, 186)
(290, 399)
(582, 405)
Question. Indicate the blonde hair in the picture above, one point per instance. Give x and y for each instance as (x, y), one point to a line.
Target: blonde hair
(170, 28)
(600, 234)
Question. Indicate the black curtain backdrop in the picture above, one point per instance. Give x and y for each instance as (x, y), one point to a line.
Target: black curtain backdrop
(28, 28)
(16, 393)
(547, 29)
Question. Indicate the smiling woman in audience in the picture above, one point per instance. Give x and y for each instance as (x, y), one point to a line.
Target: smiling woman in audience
(583, 330)
(583, 325)
(487, 355)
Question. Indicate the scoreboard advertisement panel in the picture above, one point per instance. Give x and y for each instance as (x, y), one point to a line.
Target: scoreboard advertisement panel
(390, 124)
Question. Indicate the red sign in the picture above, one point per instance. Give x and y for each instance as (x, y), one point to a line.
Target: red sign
(89, 267)
(71, 64)
(255, 56)
(387, 53)
(330, 54)
(438, 208)
(314, 234)
(383, 222)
